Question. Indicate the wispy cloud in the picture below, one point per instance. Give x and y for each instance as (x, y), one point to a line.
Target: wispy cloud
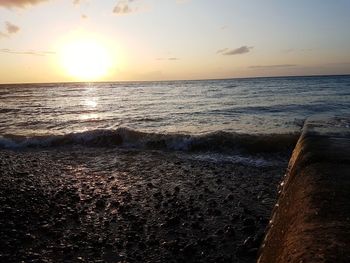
(19, 3)
(11, 28)
(27, 52)
(124, 7)
(221, 50)
(170, 58)
(236, 51)
(273, 66)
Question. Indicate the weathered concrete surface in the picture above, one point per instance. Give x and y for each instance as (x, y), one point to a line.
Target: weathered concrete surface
(311, 220)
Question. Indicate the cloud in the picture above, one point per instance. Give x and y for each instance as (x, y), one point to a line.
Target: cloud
(170, 58)
(236, 51)
(11, 28)
(273, 66)
(221, 50)
(28, 52)
(19, 3)
(123, 7)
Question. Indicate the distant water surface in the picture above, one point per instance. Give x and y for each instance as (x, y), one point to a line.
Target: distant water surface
(193, 108)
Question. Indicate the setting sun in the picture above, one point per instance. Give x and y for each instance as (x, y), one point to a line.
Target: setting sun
(85, 59)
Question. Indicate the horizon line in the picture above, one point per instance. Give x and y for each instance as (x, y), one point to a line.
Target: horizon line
(179, 80)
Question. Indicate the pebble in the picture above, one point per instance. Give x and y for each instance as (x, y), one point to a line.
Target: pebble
(177, 189)
(248, 222)
(197, 225)
(189, 250)
(174, 221)
(249, 230)
(229, 231)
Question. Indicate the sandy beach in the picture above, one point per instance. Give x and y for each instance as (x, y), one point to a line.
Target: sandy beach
(112, 205)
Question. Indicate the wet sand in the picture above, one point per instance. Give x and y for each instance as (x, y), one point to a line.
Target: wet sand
(114, 205)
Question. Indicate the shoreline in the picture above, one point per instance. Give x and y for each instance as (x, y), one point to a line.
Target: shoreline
(113, 205)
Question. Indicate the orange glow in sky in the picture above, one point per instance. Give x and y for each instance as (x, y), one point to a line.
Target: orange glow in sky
(117, 40)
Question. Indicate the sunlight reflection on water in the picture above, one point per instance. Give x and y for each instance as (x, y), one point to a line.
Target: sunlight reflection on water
(266, 105)
(91, 103)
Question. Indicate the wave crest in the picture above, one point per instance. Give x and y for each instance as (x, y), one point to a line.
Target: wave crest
(220, 141)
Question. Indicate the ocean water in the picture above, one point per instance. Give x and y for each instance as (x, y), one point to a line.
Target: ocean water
(246, 115)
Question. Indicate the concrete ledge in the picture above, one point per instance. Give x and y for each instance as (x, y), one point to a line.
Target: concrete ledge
(311, 220)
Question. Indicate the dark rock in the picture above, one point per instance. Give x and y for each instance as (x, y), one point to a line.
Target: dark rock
(22, 173)
(234, 218)
(229, 197)
(249, 230)
(114, 204)
(177, 189)
(189, 250)
(199, 182)
(245, 252)
(248, 222)
(142, 245)
(214, 212)
(173, 221)
(263, 221)
(249, 242)
(229, 231)
(100, 203)
(247, 211)
(248, 248)
(206, 242)
(152, 241)
(258, 238)
(212, 203)
(196, 225)
(158, 195)
(219, 232)
(223, 259)
(114, 188)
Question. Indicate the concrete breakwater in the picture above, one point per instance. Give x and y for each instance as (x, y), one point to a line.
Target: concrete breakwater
(311, 219)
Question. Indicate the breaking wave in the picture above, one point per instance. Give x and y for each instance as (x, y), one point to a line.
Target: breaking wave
(124, 137)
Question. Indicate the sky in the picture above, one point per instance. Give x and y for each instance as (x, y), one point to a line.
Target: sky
(122, 40)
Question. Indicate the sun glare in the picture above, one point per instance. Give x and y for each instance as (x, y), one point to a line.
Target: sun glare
(85, 59)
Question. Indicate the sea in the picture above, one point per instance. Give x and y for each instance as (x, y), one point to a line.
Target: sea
(228, 119)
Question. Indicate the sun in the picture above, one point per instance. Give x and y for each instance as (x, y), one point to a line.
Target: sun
(85, 59)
